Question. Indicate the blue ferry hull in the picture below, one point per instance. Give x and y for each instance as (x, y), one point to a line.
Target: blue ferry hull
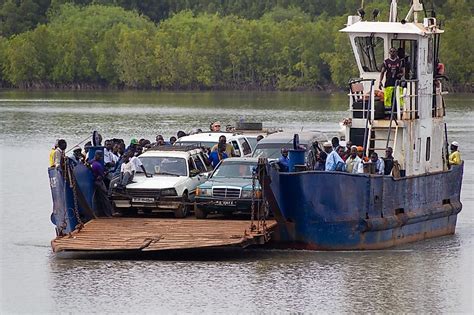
(341, 211)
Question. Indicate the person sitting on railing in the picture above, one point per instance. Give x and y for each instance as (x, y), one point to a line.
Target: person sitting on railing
(393, 70)
(455, 156)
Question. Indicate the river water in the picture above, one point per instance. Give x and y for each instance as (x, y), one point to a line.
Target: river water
(433, 276)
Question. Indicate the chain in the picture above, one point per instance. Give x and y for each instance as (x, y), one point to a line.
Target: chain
(252, 215)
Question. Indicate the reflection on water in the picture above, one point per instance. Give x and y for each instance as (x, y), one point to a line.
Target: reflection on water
(430, 276)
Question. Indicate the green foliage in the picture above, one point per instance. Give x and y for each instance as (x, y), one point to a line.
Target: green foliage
(267, 44)
(20, 16)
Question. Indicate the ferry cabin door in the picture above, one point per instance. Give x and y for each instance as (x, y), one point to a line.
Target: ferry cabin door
(407, 50)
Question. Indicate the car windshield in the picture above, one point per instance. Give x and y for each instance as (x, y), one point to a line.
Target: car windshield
(165, 165)
(272, 150)
(234, 170)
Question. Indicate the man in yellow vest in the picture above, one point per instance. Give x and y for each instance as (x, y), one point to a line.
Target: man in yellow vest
(455, 156)
(51, 154)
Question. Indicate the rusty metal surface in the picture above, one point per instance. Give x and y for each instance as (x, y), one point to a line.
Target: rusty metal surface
(154, 234)
(340, 211)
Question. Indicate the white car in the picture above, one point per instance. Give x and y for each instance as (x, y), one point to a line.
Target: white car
(240, 143)
(176, 172)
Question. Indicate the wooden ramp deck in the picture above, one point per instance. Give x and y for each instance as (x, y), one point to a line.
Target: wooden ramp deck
(155, 234)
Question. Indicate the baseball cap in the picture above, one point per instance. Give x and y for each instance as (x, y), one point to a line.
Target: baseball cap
(134, 141)
(327, 144)
(455, 143)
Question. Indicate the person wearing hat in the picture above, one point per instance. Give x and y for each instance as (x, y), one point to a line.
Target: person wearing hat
(455, 156)
(76, 156)
(353, 161)
(283, 160)
(133, 145)
(333, 159)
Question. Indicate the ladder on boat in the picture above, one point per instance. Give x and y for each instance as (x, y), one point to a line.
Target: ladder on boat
(379, 136)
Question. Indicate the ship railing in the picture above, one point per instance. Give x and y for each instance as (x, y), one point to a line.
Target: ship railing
(361, 98)
(406, 99)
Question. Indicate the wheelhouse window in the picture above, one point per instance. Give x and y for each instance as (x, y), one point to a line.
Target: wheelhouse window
(428, 148)
(371, 52)
(407, 51)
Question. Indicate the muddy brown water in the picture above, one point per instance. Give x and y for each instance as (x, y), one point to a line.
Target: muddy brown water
(429, 276)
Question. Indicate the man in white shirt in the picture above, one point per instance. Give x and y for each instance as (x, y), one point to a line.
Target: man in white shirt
(353, 161)
(137, 164)
(127, 171)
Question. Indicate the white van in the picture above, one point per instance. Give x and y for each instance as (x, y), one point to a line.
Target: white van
(240, 143)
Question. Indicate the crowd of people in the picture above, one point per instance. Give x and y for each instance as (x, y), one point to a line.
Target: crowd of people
(351, 159)
(118, 162)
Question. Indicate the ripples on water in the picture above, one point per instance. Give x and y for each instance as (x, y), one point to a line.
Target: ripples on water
(431, 277)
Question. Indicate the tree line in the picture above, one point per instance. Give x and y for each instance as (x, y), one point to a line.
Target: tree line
(272, 44)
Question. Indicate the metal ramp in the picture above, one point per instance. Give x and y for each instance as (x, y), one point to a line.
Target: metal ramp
(156, 234)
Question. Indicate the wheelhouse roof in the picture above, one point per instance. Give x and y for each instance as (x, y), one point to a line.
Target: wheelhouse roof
(389, 28)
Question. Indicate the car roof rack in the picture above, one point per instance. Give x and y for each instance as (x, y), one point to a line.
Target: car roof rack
(168, 147)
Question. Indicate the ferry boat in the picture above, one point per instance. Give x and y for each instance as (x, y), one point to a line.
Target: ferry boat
(321, 210)
(317, 210)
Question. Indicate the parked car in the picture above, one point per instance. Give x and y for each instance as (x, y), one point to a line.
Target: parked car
(270, 147)
(176, 172)
(229, 189)
(240, 143)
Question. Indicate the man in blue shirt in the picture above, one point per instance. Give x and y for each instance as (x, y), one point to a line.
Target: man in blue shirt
(216, 156)
(333, 158)
(283, 160)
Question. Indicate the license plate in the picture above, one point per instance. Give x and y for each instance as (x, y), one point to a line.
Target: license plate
(224, 203)
(143, 200)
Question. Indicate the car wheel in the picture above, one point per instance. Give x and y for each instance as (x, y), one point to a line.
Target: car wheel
(183, 209)
(200, 213)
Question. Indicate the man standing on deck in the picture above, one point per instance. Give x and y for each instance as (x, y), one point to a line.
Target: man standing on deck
(59, 154)
(388, 161)
(393, 70)
(102, 206)
(333, 159)
(51, 154)
(353, 161)
(455, 156)
(284, 160)
(229, 148)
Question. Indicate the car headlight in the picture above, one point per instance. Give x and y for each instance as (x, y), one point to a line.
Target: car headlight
(247, 194)
(168, 192)
(206, 192)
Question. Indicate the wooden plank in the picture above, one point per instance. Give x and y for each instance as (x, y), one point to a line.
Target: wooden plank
(152, 234)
